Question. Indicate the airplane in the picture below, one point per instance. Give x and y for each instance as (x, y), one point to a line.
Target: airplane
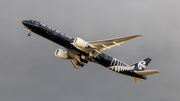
(80, 52)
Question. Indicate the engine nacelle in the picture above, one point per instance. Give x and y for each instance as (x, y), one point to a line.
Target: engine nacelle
(61, 54)
(80, 43)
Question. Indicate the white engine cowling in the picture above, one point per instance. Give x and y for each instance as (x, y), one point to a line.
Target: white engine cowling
(80, 42)
(61, 54)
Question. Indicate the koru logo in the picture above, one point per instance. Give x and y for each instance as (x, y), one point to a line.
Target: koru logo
(141, 65)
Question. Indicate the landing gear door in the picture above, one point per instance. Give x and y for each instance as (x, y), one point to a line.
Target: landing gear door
(75, 63)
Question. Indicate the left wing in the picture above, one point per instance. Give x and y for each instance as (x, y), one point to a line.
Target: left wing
(107, 44)
(94, 48)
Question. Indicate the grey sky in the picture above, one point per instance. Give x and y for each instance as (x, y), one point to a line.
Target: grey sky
(29, 71)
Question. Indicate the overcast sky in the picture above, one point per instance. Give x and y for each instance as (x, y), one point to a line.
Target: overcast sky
(29, 71)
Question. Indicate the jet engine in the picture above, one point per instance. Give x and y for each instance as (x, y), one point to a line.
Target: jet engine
(80, 43)
(61, 54)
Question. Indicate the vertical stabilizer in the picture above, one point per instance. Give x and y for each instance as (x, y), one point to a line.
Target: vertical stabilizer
(141, 65)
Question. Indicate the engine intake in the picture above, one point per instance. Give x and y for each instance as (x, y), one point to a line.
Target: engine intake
(80, 43)
(61, 54)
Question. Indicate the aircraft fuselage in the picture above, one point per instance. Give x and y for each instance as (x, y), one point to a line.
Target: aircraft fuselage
(66, 41)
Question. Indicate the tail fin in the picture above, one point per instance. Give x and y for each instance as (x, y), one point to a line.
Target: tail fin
(141, 65)
(139, 68)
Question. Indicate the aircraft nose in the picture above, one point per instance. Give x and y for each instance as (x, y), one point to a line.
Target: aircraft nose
(24, 22)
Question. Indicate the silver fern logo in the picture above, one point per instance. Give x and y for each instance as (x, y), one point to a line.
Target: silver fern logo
(120, 68)
(141, 65)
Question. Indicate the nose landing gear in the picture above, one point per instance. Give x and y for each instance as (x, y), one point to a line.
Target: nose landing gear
(29, 34)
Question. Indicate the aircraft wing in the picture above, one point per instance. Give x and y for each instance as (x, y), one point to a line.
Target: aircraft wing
(95, 47)
(107, 44)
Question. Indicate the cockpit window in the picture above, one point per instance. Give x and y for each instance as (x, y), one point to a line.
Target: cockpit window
(32, 21)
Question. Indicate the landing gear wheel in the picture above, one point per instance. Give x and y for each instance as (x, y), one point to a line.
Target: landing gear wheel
(91, 58)
(82, 64)
(29, 34)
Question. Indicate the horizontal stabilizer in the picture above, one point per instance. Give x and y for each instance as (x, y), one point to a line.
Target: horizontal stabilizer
(136, 79)
(147, 72)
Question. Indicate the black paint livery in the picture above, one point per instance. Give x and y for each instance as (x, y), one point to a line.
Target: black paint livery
(136, 70)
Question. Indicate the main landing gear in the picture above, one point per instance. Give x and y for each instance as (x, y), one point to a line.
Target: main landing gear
(82, 59)
(29, 34)
(80, 63)
(90, 58)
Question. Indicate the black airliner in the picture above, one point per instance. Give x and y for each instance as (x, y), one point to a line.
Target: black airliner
(80, 52)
